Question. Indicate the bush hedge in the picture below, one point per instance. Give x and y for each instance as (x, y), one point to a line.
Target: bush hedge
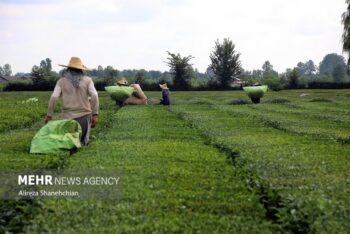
(28, 85)
(328, 85)
(153, 85)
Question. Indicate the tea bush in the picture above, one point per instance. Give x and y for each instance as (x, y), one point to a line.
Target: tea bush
(16, 113)
(240, 102)
(279, 100)
(307, 173)
(204, 166)
(172, 182)
(16, 215)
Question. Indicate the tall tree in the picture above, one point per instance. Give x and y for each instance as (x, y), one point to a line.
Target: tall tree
(46, 65)
(141, 77)
(329, 62)
(38, 74)
(110, 72)
(225, 62)
(293, 78)
(7, 69)
(209, 72)
(43, 73)
(181, 70)
(166, 77)
(339, 73)
(155, 74)
(1, 71)
(258, 73)
(100, 71)
(110, 75)
(346, 33)
(268, 69)
(307, 69)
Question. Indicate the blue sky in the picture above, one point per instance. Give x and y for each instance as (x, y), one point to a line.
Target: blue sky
(130, 34)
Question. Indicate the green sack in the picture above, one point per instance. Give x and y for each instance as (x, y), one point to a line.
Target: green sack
(56, 136)
(255, 91)
(119, 93)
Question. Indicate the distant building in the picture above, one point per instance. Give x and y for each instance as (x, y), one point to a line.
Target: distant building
(5, 79)
(26, 76)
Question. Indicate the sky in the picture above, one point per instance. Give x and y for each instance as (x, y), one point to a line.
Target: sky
(135, 34)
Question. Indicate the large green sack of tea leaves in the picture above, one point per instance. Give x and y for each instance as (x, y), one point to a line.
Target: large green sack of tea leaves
(56, 136)
(119, 93)
(255, 91)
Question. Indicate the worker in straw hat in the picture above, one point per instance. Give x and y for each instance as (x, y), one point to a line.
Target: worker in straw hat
(165, 94)
(137, 98)
(80, 98)
(123, 82)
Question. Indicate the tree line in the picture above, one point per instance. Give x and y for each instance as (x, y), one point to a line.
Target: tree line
(225, 69)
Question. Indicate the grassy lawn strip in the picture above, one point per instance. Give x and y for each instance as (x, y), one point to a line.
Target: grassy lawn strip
(172, 182)
(304, 180)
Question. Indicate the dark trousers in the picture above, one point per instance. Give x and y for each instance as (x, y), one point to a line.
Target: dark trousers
(85, 123)
(165, 101)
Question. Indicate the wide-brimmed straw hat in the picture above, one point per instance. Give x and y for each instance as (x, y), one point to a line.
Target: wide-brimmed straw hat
(163, 86)
(123, 81)
(76, 63)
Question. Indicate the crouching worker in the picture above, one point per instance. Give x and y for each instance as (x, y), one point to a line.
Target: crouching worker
(80, 98)
(138, 97)
(165, 94)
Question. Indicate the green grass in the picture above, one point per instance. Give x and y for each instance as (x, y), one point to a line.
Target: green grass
(212, 162)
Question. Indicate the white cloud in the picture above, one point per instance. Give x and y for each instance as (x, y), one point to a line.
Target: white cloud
(137, 33)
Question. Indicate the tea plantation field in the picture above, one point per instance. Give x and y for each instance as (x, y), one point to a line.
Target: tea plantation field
(212, 162)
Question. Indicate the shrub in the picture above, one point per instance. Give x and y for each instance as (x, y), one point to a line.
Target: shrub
(100, 84)
(293, 79)
(28, 85)
(328, 85)
(151, 86)
(274, 82)
(19, 85)
(46, 85)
